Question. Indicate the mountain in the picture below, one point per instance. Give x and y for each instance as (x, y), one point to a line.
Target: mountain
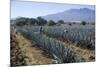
(82, 14)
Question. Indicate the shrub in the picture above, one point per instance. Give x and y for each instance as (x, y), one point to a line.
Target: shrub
(61, 21)
(51, 23)
(83, 22)
(70, 24)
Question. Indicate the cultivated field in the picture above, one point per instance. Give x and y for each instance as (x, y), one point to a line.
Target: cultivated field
(61, 43)
(51, 33)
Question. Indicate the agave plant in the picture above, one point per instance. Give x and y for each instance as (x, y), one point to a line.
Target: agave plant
(61, 53)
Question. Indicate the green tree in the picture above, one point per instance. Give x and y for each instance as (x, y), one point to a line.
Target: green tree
(41, 21)
(33, 21)
(70, 24)
(51, 23)
(25, 21)
(21, 21)
(61, 21)
(83, 22)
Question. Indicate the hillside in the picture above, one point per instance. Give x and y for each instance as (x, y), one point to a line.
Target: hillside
(83, 14)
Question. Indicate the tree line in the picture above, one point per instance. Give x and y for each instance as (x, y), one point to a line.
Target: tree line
(21, 21)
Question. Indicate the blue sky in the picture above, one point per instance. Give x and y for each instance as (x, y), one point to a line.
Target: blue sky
(35, 9)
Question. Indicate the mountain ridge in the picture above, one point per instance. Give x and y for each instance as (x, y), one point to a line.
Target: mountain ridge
(82, 14)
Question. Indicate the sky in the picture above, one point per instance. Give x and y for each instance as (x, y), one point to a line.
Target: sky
(34, 9)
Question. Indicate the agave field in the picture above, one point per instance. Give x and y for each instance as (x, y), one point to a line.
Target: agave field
(56, 48)
(59, 33)
(54, 38)
(84, 36)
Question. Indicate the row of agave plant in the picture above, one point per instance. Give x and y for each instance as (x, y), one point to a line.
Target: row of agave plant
(84, 37)
(60, 53)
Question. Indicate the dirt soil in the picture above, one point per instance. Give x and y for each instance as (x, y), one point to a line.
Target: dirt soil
(31, 54)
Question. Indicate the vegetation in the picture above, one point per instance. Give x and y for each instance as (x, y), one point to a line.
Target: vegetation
(21, 21)
(83, 22)
(63, 41)
(83, 36)
(51, 23)
(56, 48)
(41, 21)
(70, 24)
(61, 21)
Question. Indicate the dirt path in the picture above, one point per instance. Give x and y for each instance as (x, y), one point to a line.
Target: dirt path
(16, 56)
(33, 54)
